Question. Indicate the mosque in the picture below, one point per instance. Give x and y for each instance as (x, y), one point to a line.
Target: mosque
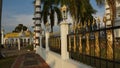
(15, 38)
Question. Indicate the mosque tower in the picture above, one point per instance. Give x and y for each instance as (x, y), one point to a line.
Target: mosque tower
(37, 22)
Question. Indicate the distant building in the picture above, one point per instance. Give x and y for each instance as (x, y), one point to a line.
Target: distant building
(25, 37)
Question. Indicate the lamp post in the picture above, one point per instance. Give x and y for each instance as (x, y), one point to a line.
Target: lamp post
(64, 32)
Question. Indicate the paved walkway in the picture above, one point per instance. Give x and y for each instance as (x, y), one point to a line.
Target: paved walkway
(29, 60)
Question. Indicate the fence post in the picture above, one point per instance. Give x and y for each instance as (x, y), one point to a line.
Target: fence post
(47, 40)
(19, 44)
(64, 32)
(40, 41)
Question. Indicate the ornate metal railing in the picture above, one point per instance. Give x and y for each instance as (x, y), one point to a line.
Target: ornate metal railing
(43, 42)
(98, 48)
(55, 44)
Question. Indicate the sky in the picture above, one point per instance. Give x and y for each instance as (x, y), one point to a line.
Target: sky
(16, 12)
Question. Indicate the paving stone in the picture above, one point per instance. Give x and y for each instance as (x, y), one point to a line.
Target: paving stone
(30, 60)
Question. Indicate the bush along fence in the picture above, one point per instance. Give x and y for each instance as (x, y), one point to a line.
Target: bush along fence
(99, 48)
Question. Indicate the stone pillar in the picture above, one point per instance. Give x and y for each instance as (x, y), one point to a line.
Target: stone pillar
(64, 32)
(2, 36)
(23, 41)
(47, 40)
(14, 42)
(19, 44)
(40, 41)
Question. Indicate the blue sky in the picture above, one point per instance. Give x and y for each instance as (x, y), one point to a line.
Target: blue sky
(21, 11)
(16, 12)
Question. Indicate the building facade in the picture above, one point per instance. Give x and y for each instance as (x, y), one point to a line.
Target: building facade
(12, 39)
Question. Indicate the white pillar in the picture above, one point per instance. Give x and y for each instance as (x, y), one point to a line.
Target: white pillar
(47, 40)
(11, 41)
(40, 41)
(14, 42)
(64, 32)
(2, 33)
(19, 44)
(23, 41)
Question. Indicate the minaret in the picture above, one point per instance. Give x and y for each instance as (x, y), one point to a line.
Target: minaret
(37, 22)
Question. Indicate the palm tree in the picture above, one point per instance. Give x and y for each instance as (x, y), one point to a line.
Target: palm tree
(49, 9)
(80, 10)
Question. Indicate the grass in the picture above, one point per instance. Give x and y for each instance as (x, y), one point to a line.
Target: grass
(7, 62)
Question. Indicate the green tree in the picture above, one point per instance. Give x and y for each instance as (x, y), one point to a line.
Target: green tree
(19, 28)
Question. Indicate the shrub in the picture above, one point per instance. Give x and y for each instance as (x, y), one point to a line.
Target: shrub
(30, 47)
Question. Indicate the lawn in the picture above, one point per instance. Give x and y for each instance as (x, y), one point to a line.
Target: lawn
(7, 62)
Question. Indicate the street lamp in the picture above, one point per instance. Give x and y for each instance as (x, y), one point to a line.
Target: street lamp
(64, 12)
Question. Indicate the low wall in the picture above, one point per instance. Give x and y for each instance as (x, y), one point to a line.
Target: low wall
(54, 60)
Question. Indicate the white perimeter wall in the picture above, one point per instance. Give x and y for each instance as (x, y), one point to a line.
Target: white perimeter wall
(54, 60)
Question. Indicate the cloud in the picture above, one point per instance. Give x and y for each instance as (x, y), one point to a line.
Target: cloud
(9, 22)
